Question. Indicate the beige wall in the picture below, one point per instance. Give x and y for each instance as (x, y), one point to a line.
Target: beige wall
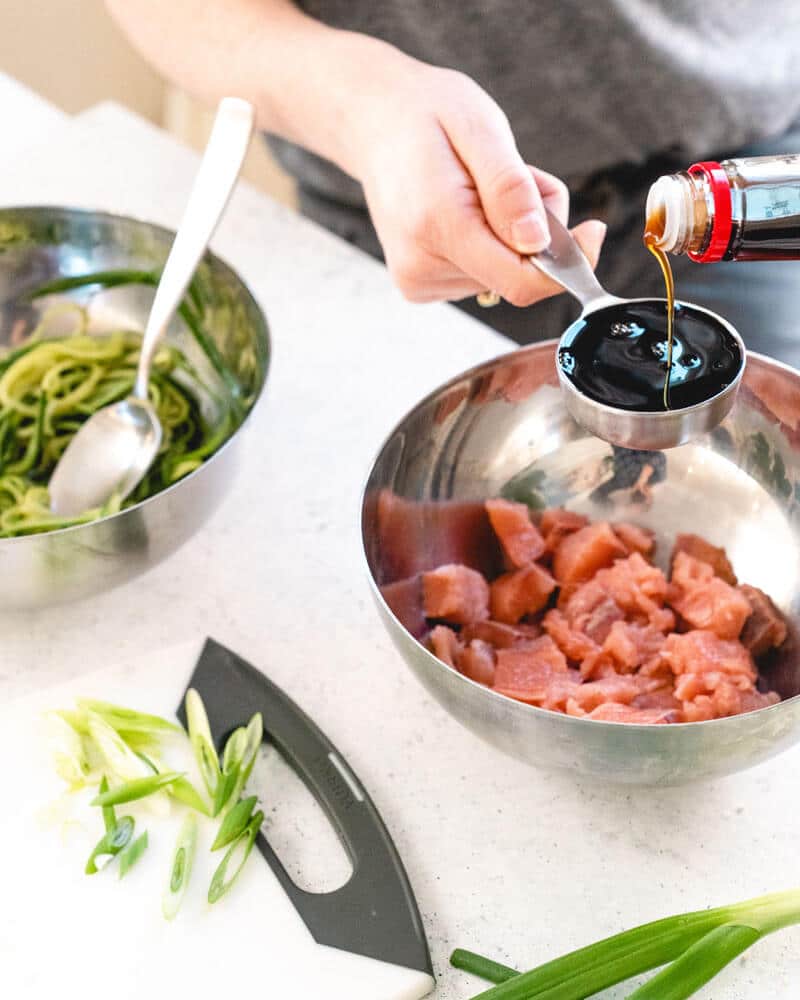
(71, 52)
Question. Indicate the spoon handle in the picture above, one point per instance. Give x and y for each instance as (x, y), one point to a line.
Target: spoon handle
(219, 169)
(564, 262)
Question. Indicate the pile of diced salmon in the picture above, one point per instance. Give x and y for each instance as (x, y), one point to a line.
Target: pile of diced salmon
(583, 622)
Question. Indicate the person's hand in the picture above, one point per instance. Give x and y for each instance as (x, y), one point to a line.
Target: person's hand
(455, 207)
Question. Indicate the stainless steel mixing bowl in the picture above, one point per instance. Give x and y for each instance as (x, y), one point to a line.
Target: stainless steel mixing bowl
(40, 244)
(502, 429)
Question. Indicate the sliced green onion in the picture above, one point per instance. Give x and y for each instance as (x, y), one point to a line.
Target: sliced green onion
(182, 790)
(235, 823)
(129, 855)
(181, 867)
(254, 734)
(143, 743)
(202, 741)
(110, 844)
(236, 856)
(68, 751)
(232, 762)
(139, 788)
(227, 782)
(234, 749)
(151, 764)
(127, 720)
(73, 718)
(109, 816)
(122, 761)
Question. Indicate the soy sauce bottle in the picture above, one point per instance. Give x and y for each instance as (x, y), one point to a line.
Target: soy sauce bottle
(744, 209)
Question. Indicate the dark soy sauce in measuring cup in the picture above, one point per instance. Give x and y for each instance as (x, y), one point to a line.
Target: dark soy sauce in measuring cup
(619, 356)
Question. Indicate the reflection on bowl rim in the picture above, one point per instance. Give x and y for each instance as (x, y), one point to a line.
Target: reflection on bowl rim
(208, 255)
(469, 374)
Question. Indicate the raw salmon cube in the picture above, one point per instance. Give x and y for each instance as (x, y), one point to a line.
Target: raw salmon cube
(598, 665)
(500, 635)
(721, 698)
(700, 710)
(714, 606)
(615, 712)
(612, 688)
(701, 652)
(663, 698)
(445, 644)
(639, 589)
(637, 573)
(765, 629)
(476, 661)
(687, 571)
(518, 536)
(455, 594)
(573, 644)
(630, 646)
(556, 523)
(560, 690)
(601, 619)
(527, 674)
(753, 700)
(622, 647)
(413, 536)
(634, 538)
(657, 667)
(580, 555)
(404, 598)
(699, 548)
(727, 699)
(591, 611)
(542, 652)
(523, 592)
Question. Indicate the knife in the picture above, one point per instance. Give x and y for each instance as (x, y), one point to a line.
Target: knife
(373, 914)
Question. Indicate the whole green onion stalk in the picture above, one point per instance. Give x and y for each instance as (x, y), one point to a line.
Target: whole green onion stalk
(692, 947)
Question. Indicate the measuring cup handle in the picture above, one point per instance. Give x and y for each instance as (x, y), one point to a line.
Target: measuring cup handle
(564, 262)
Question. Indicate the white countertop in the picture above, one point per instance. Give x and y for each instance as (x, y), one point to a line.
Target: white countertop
(518, 864)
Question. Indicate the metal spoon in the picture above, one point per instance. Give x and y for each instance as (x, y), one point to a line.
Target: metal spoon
(564, 262)
(115, 447)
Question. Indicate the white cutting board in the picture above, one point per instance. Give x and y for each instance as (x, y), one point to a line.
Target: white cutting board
(63, 933)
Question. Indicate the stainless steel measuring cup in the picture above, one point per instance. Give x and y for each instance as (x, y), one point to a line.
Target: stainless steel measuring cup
(564, 262)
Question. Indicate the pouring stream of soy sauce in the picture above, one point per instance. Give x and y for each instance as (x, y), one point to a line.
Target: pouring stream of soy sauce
(653, 230)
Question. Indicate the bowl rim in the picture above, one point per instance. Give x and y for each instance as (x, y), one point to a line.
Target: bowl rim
(638, 727)
(170, 234)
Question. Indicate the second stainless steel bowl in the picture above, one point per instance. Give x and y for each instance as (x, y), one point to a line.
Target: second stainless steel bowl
(40, 244)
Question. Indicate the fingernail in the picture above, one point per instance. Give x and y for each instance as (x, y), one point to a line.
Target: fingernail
(529, 233)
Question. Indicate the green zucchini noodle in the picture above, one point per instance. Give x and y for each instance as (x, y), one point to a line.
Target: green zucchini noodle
(51, 385)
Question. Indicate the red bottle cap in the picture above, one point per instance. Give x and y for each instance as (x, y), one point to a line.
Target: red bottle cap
(722, 222)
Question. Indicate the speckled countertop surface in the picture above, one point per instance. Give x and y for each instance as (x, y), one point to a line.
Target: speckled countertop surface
(519, 864)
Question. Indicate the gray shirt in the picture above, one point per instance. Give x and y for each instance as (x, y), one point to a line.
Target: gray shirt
(591, 85)
(607, 94)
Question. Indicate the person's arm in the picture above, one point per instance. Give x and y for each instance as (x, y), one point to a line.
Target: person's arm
(452, 201)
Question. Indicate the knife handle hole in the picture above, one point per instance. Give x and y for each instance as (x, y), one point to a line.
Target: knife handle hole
(296, 826)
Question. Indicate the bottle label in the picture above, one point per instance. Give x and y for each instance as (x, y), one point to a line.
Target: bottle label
(773, 202)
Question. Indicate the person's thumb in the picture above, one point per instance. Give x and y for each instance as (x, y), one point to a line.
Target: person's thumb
(509, 195)
(589, 236)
